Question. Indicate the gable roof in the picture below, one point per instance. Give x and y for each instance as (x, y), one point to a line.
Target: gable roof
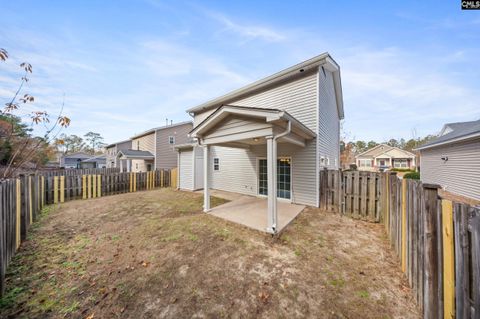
(153, 130)
(78, 155)
(457, 132)
(269, 115)
(98, 158)
(384, 149)
(297, 70)
(135, 154)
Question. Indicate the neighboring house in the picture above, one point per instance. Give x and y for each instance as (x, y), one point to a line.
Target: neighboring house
(73, 160)
(383, 157)
(155, 148)
(453, 159)
(272, 137)
(98, 161)
(111, 152)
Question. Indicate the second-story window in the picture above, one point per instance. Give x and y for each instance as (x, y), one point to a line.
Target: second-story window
(138, 145)
(171, 140)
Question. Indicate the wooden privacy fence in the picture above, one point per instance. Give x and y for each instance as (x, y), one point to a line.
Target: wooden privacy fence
(23, 198)
(353, 193)
(65, 188)
(437, 241)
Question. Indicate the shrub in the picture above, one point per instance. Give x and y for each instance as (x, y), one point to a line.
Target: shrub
(402, 170)
(412, 175)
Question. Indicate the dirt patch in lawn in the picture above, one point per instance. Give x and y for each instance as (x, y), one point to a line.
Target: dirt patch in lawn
(155, 255)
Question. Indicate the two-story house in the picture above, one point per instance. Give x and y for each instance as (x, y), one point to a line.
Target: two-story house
(270, 138)
(154, 148)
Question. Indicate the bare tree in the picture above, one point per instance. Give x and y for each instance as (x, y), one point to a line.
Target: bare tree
(26, 148)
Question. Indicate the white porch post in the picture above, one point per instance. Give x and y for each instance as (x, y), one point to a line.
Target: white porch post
(271, 184)
(206, 190)
(129, 165)
(121, 165)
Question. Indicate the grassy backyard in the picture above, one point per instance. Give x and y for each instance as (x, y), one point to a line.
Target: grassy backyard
(154, 255)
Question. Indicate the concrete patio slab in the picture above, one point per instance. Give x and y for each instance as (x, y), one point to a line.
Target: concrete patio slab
(252, 211)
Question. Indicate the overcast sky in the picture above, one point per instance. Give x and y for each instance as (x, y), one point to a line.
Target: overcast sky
(126, 66)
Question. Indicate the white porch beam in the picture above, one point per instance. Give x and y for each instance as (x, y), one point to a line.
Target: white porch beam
(239, 136)
(271, 185)
(206, 190)
(293, 139)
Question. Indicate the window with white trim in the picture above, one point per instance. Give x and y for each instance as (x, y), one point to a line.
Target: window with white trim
(400, 163)
(364, 163)
(171, 140)
(216, 164)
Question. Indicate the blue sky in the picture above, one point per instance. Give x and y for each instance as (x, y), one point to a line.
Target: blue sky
(124, 66)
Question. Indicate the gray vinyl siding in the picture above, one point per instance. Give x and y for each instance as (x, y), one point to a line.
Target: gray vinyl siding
(166, 155)
(198, 181)
(111, 153)
(186, 171)
(299, 98)
(328, 122)
(460, 174)
(235, 124)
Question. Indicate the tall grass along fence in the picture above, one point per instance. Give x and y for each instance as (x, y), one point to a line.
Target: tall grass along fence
(437, 241)
(23, 198)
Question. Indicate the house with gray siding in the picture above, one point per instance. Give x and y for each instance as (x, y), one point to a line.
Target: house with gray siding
(74, 160)
(111, 152)
(154, 148)
(270, 138)
(452, 160)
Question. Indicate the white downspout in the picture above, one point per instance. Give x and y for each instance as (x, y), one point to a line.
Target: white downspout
(275, 138)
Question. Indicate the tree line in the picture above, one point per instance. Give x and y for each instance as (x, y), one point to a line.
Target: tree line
(91, 143)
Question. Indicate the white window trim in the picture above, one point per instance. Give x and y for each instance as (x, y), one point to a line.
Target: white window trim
(217, 164)
(291, 179)
(172, 138)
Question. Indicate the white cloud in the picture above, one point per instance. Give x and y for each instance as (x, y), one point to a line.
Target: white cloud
(246, 31)
(389, 92)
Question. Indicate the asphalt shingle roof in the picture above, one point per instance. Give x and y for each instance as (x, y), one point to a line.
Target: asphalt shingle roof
(460, 129)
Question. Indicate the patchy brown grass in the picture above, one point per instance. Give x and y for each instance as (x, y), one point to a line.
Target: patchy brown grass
(154, 255)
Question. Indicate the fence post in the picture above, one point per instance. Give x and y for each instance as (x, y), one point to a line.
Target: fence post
(55, 189)
(99, 186)
(404, 225)
(18, 206)
(448, 260)
(431, 278)
(84, 186)
(62, 189)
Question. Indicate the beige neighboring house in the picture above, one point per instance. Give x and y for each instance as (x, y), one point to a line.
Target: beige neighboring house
(269, 139)
(452, 160)
(385, 157)
(154, 149)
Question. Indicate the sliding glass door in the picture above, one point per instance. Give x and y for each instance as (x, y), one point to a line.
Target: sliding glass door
(284, 183)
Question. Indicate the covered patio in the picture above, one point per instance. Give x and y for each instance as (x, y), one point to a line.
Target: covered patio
(126, 157)
(250, 211)
(245, 127)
